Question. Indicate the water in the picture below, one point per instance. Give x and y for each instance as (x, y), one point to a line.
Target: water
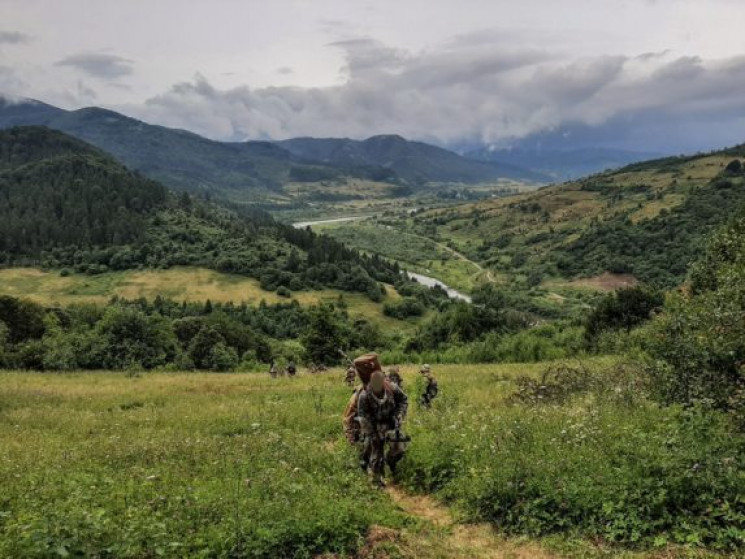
(421, 278)
(432, 282)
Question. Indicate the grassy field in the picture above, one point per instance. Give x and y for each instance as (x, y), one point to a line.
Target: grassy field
(228, 465)
(180, 284)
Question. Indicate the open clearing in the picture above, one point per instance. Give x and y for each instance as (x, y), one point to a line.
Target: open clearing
(179, 284)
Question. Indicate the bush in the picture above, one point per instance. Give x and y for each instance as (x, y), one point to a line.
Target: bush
(622, 310)
(699, 340)
(588, 461)
(23, 318)
(130, 338)
(405, 308)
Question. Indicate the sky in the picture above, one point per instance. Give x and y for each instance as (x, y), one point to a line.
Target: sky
(649, 75)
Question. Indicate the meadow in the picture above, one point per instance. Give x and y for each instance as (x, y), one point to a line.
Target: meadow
(191, 284)
(240, 465)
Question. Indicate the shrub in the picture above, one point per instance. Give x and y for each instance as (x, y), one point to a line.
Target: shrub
(622, 310)
(404, 308)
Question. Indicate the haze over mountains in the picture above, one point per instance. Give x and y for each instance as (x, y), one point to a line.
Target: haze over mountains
(184, 160)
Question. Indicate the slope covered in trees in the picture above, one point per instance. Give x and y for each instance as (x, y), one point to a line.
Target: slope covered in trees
(648, 220)
(69, 205)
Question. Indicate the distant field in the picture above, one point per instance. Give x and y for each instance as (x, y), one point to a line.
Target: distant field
(180, 284)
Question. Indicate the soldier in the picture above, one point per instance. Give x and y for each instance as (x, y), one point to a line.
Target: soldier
(430, 390)
(291, 368)
(394, 376)
(349, 376)
(362, 366)
(273, 370)
(381, 409)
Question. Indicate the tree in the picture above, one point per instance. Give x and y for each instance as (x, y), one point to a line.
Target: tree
(209, 351)
(23, 318)
(133, 339)
(734, 167)
(324, 336)
(699, 340)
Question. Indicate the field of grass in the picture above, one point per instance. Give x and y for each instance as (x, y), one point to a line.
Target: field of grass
(180, 284)
(229, 465)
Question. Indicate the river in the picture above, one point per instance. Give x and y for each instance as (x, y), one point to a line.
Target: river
(421, 278)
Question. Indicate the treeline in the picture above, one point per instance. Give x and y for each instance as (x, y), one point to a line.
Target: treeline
(138, 334)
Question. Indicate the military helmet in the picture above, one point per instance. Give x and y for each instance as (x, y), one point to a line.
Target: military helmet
(425, 368)
(366, 365)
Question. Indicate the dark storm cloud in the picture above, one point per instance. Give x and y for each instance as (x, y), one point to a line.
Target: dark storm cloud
(98, 65)
(468, 90)
(13, 38)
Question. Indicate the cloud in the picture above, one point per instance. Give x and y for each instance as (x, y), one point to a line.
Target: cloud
(472, 89)
(285, 70)
(13, 38)
(98, 65)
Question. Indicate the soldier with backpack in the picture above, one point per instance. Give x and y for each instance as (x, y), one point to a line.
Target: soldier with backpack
(381, 409)
(373, 418)
(273, 369)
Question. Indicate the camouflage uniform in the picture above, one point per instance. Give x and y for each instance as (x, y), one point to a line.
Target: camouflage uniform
(349, 377)
(395, 377)
(430, 390)
(379, 415)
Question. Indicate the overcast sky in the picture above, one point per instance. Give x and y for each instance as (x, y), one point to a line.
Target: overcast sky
(663, 75)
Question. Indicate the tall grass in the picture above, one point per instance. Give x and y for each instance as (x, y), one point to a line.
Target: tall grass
(179, 465)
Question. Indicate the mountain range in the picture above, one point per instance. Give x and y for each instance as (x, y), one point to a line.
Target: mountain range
(256, 169)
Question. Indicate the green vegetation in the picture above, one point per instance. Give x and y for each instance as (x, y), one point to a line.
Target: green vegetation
(70, 206)
(648, 220)
(603, 462)
(139, 334)
(179, 465)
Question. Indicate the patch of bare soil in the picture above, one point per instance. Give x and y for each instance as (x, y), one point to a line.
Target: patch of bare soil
(607, 282)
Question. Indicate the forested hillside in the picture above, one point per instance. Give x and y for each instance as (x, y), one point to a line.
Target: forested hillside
(69, 205)
(648, 220)
(253, 170)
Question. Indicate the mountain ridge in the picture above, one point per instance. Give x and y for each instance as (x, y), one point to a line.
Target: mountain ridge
(249, 170)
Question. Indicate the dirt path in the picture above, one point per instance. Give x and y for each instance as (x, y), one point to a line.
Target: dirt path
(442, 537)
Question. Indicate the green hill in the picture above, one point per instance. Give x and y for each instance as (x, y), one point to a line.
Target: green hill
(644, 222)
(68, 205)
